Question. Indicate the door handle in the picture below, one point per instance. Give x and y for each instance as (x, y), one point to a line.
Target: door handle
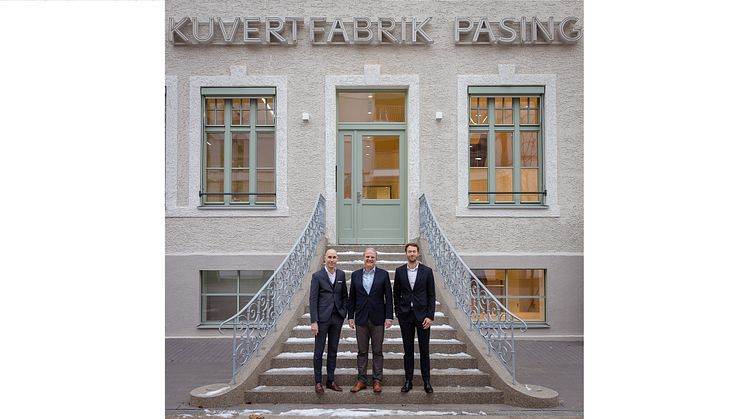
(359, 196)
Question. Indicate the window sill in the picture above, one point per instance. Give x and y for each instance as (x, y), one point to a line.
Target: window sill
(508, 211)
(238, 207)
(507, 206)
(208, 326)
(537, 325)
(208, 211)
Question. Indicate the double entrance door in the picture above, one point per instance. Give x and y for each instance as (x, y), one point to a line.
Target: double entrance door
(371, 187)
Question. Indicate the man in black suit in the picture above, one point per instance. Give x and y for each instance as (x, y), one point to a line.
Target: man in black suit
(370, 308)
(414, 302)
(328, 304)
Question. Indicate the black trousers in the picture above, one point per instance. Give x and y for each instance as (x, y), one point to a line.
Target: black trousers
(332, 330)
(408, 324)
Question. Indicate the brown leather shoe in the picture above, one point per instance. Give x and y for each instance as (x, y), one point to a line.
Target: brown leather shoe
(358, 386)
(377, 387)
(333, 386)
(319, 388)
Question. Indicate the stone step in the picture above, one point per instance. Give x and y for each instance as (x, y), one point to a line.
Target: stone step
(440, 318)
(437, 303)
(390, 395)
(438, 331)
(390, 344)
(393, 360)
(348, 376)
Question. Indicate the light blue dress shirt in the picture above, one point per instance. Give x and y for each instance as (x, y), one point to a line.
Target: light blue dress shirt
(368, 279)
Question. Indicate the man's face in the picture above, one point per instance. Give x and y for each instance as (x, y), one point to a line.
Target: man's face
(370, 260)
(330, 258)
(412, 254)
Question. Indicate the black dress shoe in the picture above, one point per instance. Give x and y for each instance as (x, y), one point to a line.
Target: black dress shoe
(333, 386)
(407, 386)
(428, 387)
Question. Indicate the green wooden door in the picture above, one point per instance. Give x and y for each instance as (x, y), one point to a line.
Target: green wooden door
(371, 187)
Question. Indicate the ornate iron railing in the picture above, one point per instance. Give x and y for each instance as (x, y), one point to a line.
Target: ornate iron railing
(494, 322)
(255, 320)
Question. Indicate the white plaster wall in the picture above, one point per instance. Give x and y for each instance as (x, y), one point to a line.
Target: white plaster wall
(550, 239)
(183, 286)
(437, 66)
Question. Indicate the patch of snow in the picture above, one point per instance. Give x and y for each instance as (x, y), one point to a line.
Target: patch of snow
(363, 412)
(214, 392)
(248, 412)
(458, 355)
(221, 414)
(345, 354)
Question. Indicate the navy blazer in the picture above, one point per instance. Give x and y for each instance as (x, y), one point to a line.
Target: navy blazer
(378, 306)
(325, 298)
(421, 299)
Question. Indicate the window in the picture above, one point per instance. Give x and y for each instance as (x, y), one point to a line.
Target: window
(371, 106)
(238, 158)
(223, 293)
(505, 146)
(520, 290)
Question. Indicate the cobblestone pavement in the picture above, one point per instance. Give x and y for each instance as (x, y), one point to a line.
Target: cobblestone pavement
(191, 363)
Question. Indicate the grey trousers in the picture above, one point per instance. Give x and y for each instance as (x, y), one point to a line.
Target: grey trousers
(373, 334)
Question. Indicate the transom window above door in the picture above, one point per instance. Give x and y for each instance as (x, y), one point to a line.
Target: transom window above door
(371, 106)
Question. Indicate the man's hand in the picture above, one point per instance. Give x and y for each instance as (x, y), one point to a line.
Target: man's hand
(389, 323)
(351, 322)
(315, 328)
(426, 324)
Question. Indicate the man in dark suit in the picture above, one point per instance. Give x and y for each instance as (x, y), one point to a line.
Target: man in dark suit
(370, 308)
(328, 304)
(414, 302)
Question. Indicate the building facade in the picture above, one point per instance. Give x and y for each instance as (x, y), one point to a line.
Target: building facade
(476, 104)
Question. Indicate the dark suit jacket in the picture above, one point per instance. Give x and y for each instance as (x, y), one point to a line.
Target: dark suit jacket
(324, 299)
(421, 299)
(377, 306)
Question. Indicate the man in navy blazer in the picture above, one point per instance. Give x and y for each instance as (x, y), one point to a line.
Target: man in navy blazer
(414, 302)
(370, 308)
(328, 304)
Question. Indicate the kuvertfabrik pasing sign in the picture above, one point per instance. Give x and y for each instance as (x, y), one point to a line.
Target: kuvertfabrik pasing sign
(273, 30)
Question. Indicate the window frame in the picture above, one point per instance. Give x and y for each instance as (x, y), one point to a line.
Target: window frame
(228, 129)
(506, 297)
(203, 322)
(515, 128)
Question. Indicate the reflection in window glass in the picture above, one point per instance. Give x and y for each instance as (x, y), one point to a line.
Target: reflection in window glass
(225, 292)
(524, 290)
(249, 132)
(508, 145)
(381, 167)
(371, 106)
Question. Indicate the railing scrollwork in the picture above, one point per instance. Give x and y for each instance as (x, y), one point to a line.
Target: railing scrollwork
(257, 318)
(486, 314)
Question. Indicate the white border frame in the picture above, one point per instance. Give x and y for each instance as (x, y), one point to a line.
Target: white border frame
(372, 79)
(506, 77)
(238, 78)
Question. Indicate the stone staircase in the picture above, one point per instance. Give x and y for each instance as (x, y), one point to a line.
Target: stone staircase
(454, 373)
